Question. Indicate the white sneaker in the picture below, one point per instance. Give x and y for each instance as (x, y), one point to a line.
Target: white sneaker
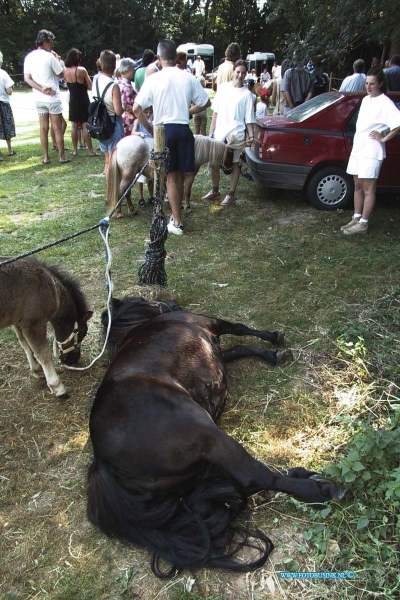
(172, 228)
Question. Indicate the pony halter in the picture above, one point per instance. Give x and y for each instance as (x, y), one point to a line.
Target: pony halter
(65, 347)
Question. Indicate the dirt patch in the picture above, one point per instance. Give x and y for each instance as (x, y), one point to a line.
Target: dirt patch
(296, 217)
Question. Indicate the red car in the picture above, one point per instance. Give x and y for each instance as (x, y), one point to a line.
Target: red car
(308, 149)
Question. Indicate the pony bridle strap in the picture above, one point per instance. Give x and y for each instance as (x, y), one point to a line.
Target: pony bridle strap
(223, 159)
(65, 347)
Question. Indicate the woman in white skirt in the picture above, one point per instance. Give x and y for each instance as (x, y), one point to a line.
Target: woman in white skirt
(378, 121)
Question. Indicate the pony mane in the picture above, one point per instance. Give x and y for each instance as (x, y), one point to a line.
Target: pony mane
(129, 313)
(73, 287)
(208, 150)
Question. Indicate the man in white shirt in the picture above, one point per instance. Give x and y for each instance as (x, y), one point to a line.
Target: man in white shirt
(199, 68)
(41, 72)
(355, 82)
(171, 92)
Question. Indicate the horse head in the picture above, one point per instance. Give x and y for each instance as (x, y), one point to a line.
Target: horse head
(70, 321)
(226, 164)
(70, 348)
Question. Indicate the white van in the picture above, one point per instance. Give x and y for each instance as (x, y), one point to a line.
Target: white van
(260, 61)
(193, 50)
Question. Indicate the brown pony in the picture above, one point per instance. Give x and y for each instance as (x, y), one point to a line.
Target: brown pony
(133, 152)
(33, 294)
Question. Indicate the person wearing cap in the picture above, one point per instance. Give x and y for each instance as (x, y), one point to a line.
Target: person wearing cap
(262, 106)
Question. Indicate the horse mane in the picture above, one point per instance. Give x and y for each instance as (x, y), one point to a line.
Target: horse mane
(73, 287)
(129, 313)
(209, 150)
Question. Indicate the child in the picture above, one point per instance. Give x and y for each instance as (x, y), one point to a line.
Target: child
(138, 129)
(128, 94)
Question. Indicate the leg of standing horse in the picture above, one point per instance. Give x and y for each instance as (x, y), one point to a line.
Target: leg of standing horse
(33, 363)
(35, 336)
(275, 358)
(131, 208)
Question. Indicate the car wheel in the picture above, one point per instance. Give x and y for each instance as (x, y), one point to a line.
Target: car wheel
(330, 188)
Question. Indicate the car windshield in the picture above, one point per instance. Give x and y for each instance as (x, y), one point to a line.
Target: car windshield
(311, 107)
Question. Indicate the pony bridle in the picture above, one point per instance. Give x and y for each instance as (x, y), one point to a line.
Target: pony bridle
(66, 347)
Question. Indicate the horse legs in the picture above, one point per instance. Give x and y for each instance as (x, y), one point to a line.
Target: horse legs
(131, 208)
(34, 338)
(254, 476)
(33, 363)
(227, 328)
(280, 358)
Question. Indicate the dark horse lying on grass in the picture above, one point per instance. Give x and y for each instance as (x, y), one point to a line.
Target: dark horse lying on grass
(32, 294)
(164, 476)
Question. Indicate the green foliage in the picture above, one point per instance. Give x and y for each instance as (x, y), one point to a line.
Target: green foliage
(368, 528)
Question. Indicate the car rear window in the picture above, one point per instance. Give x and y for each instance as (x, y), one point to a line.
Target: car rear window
(311, 107)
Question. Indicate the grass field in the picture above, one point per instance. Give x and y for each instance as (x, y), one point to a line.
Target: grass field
(270, 261)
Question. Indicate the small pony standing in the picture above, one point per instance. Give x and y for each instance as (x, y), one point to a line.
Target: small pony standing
(33, 294)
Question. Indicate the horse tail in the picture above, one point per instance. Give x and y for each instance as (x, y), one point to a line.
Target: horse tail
(131, 312)
(113, 181)
(189, 529)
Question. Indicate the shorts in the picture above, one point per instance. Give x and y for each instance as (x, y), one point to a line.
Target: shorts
(180, 142)
(109, 145)
(142, 179)
(53, 107)
(364, 168)
(236, 139)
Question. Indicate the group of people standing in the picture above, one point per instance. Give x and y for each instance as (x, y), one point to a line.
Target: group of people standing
(173, 96)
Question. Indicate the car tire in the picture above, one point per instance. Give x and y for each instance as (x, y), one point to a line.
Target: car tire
(330, 188)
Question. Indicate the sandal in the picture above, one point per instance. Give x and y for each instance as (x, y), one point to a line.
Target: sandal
(142, 203)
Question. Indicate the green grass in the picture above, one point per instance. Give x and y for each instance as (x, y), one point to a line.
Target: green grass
(270, 261)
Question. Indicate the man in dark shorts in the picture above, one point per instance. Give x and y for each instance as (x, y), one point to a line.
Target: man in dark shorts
(175, 95)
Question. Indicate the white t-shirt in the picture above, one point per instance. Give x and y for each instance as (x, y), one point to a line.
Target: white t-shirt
(5, 83)
(103, 81)
(376, 114)
(199, 67)
(353, 83)
(170, 92)
(235, 108)
(45, 70)
(261, 109)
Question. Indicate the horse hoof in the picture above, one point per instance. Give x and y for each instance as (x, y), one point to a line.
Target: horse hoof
(340, 490)
(63, 396)
(280, 338)
(284, 358)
